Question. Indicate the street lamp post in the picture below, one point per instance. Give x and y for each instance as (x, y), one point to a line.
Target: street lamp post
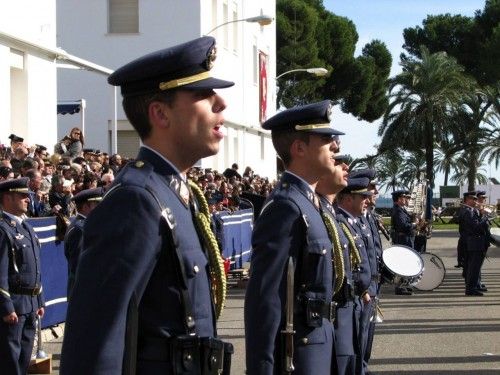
(318, 72)
(262, 20)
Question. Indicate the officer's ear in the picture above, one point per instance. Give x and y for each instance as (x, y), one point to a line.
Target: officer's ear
(298, 148)
(158, 114)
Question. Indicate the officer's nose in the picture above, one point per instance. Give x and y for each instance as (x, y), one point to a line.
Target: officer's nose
(219, 104)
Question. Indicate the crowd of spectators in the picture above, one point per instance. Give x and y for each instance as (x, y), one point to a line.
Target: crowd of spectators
(56, 176)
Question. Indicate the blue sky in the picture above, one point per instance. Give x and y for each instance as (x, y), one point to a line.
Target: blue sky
(385, 20)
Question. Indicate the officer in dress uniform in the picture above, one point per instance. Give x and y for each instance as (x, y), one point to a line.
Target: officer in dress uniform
(141, 303)
(350, 207)
(403, 229)
(21, 297)
(475, 228)
(85, 201)
(374, 251)
(292, 277)
(346, 342)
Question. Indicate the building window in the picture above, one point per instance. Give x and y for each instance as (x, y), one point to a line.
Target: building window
(123, 16)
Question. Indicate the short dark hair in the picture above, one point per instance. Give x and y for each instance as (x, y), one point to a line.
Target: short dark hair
(283, 139)
(137, 107)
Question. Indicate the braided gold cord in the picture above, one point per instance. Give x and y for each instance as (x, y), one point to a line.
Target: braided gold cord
(338, 258)
(217, 272)
(354, 253)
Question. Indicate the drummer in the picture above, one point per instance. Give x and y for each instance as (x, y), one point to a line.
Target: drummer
(403, 230)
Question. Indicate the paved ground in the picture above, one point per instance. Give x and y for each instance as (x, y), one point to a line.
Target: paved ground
(438, 332)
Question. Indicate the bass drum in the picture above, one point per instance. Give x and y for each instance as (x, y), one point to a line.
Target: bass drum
(401, 262)
(433, 274)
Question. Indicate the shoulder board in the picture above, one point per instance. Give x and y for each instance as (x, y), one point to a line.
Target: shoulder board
(136, 173)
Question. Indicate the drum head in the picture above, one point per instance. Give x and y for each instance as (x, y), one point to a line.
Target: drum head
(433, 274)
(402, 261)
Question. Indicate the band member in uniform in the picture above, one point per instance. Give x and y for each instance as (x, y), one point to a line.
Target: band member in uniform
(141, 303)
(85, 201)
(481, 201)
(351, 202)
(374, 252)
(475, 227)
(288, 305)
(469, 199)
(21, 297)
(346, 335)
(403, 229)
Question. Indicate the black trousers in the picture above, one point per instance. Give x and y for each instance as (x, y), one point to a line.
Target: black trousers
(474, 261)
(16, 344)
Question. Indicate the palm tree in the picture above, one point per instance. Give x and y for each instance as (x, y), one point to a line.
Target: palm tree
(422, 96)
(388, 170)
(446, 154)
(413, 164)
(473, 118)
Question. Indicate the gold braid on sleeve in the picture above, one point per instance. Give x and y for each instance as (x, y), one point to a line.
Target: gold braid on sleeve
(338, 258)
(217, 273)
(354, 253)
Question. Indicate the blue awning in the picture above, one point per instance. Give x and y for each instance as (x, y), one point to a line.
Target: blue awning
(69, 108)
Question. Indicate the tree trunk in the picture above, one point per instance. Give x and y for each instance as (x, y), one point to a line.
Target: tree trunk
(471, 175)
(429, 153)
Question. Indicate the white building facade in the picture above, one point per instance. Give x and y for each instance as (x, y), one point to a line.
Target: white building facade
(28, 90)
(114, 32)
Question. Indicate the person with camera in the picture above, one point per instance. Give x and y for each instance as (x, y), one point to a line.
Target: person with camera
(143, 280)
(71, 145)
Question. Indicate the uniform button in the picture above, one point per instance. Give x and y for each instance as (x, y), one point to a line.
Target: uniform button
(323, 251)
(24, 245)
(305, 340)
(196, 269)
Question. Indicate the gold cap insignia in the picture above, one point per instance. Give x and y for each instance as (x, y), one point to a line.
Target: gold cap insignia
(139, 164)
(211, 56)
(329, 112)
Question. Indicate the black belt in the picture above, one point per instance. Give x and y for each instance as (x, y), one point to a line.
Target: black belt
(26, 291)
(329, 310)
(345, 294)
(316, 309)
(154, 349)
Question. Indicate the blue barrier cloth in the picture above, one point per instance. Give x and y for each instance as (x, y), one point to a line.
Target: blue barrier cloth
(54, 271)
(234, 233)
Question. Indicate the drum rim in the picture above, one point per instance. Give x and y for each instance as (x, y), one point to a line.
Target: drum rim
(444, 275)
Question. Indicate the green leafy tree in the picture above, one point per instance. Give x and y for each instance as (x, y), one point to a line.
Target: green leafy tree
(422, 96)
(473, 41)
(308, 35)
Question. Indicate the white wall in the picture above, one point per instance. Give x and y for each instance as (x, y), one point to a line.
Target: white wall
(28, 79)
(162, 24)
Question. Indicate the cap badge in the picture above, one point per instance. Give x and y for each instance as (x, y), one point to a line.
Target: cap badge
(329, 112)
(211, 56)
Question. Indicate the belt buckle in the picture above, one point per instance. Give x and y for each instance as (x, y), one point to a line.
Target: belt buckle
(36, 291)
